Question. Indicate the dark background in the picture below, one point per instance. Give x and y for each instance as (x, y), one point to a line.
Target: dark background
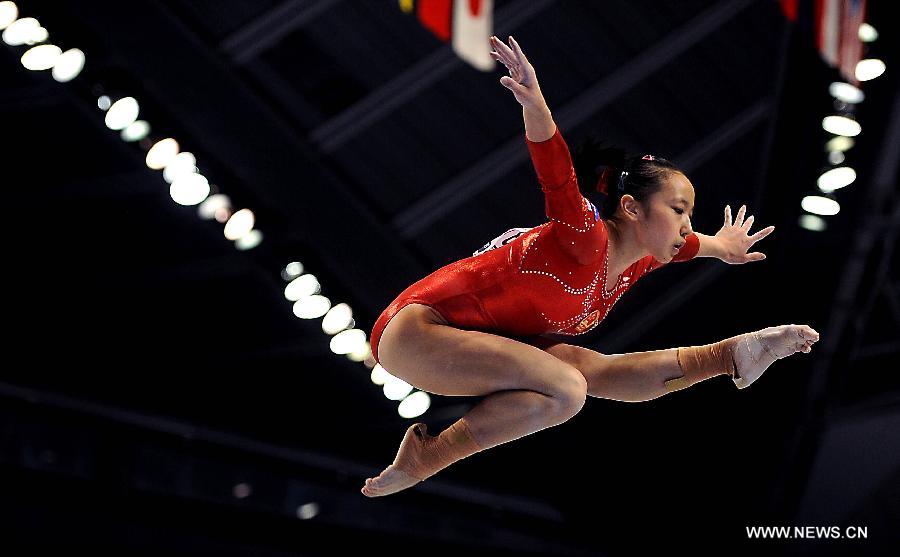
(151, 367)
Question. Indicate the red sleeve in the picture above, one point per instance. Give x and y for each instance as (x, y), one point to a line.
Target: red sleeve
(688, 251)
(563, 202)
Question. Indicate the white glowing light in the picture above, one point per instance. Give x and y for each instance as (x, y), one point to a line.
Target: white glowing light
(292, 270)
(68, 65)
(869, 69)
(867, 33)
(37, 35)
(337, 319)
(135, 131)
(836, 178)
(836, 157)
(20, 31)
(41, 57)
(8, 13)
(846, 92)
(207, 209)
(362, 354)
(304, 285)
(122, 113)
(820, 205)
(161, 153)
(239, 224)
(841, 125)
(379, 375)
(182, 163)
(307, 511)
(812, 222)
(348, 341)
(104, 102)
(395, 388)
(839, 143)
(189, 189)
(249, 240)
(414, 405)
(311, 307)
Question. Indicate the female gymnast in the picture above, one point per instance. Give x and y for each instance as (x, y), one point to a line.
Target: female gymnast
(473, 327)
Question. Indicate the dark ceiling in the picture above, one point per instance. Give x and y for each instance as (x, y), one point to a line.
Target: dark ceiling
(157, 365)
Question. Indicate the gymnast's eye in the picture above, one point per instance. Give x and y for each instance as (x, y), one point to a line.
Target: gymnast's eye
(679, 211)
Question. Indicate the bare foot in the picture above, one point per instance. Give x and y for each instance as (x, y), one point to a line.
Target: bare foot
(754, 352)
(401, 474)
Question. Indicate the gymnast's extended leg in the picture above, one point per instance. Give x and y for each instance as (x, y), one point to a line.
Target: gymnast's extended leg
(642, 376)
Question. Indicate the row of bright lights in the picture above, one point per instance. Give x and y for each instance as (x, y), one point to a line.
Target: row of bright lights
(187, 186)
(844, 128)
(304, 291)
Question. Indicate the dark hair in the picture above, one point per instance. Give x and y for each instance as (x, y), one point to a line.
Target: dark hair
(594, 158)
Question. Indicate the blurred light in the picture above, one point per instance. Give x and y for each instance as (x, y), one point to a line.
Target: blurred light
(304, 285)
(841, 125)
(846, 92)
(207, 209)
(20, 31)
(222, 214)
(135, 131)
(41, 57)
(161, 153)
(239, 224)
(819, 205)
(242, 491)
(190, 189)
(867, 33)
(292, 270)
(869, 68)
(345, 342)
(182, 163)
(337, 319)
(379, 375)
(37, 35)
(8, 13)
(311, 307)
(362, 354)
(122, 113)
(836, 178)
(812, 222)
(836, 157)
(414, 405)
(68, 65)
(839, 143)
(104, 102)
(307, 511)
(249, 240)
(395, 388)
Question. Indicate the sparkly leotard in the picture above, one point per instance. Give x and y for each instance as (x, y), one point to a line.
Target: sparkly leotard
(547, 279)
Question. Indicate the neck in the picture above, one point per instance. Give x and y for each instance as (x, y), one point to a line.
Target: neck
(624, 248)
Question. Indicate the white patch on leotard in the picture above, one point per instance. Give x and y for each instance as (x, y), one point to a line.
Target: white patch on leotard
(502, 240)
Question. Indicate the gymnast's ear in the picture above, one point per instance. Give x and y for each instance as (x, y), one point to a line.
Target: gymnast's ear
(629, 205)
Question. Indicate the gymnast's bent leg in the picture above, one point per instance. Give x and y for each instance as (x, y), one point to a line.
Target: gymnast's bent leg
(525, 389)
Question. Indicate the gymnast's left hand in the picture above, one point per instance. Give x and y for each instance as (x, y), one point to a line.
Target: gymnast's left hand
(734, 240)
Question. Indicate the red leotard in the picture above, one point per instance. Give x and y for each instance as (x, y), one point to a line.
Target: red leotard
(551, 279)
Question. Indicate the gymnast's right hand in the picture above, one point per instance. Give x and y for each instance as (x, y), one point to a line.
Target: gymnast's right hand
(521, 80)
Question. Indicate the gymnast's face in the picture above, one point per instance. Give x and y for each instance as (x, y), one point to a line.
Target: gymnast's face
(666, 221)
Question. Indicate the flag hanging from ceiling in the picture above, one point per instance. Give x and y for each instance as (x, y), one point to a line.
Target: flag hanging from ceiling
(466, 24)
(837, 34)
(835, 27)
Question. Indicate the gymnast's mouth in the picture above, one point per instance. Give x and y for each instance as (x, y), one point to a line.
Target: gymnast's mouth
(678, 245)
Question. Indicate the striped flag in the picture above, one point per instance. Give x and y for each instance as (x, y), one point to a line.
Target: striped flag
(466, 24)
(837, 34)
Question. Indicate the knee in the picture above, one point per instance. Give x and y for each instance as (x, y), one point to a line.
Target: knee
(570, 394)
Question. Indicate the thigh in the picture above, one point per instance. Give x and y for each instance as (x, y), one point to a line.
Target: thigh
(589, 362)
(418, 346)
